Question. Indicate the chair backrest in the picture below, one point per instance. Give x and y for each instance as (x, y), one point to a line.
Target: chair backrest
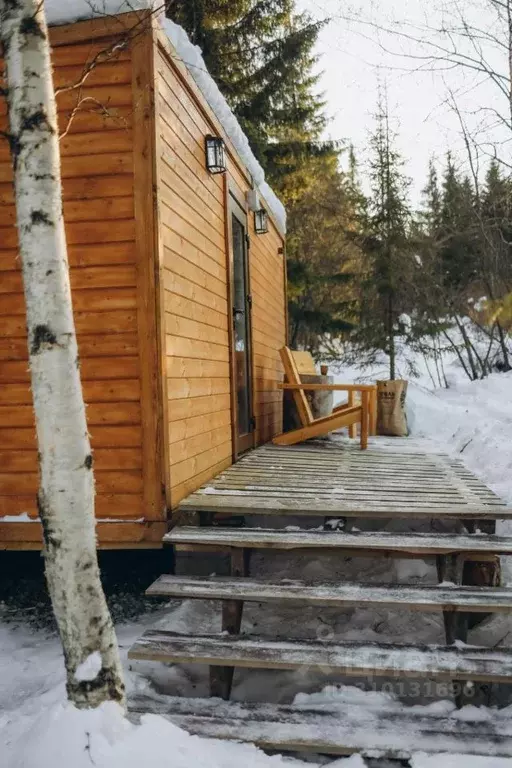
(304, 362)
(293, 377)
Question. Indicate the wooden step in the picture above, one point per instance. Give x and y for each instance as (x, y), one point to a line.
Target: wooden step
(422, 598)
(351, 727)
(433, 662)
(293, 502)
(420, 544)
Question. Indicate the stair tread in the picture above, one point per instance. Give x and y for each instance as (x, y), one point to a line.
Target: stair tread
(348, 726)
(413, 543)
(419, 597)
(294, 503)
(346, 658)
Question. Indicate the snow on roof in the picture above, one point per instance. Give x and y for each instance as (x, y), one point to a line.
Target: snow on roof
(65, 11)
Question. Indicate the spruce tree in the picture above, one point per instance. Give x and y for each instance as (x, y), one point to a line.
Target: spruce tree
(458, 230)
(260, 54)
(429, 318)
(431, 214)
(324, 262)
(496, 210)
(429, 293)
(496, 254)
(455, 247)
(386, 290)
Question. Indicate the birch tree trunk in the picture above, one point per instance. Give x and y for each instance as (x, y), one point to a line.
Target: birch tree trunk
(66, 492)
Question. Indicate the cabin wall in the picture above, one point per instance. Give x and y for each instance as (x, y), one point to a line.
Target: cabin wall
(108, 288)
(192, 231)
(192, 206)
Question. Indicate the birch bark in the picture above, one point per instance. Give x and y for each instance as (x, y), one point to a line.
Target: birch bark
(66, 491)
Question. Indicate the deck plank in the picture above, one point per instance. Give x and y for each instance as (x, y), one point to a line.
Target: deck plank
(352, 659)
(418, 597)
(374, 541)
(345, 729)
(249, 503)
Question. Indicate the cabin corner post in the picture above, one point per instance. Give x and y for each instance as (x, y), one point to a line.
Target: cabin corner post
(148, 273)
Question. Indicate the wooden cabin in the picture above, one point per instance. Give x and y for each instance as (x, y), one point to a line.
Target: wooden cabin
(179, 305)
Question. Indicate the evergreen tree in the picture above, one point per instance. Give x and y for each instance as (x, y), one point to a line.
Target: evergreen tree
(260, 54)
(432, 203)
(386, 291)
(458, 230)
(324, 262)
(426, 236)
(462, 246)
(496, 253)
(496, 209)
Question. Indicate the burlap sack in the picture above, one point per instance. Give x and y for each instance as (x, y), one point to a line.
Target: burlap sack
(391, 418)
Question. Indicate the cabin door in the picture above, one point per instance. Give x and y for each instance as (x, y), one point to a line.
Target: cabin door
(244, 432)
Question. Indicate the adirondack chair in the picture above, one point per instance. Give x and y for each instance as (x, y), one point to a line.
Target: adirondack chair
(346, 415)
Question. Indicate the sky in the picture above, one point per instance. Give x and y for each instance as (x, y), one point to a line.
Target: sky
(355, 55)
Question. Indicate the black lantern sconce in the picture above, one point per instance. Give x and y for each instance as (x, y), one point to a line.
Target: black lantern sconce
(260, 221)
(215, 154)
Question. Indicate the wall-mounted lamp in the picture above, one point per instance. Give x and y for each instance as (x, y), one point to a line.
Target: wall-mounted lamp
(215, 154)
(260, 221)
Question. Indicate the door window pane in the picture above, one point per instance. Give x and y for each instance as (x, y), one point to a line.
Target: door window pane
(241, 328)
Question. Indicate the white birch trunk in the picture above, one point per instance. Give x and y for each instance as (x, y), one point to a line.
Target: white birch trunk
(66, 494)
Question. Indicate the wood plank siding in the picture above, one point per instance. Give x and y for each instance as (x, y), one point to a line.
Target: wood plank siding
(149, 255)
(109, 291)
(195, 260)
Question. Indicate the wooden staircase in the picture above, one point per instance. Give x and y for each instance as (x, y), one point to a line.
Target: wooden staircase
(430, 487)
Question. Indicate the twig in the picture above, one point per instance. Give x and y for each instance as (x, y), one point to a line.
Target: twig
(102, 109)
(100, 58)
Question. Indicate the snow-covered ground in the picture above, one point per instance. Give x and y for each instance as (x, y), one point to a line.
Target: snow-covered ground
(470, 420)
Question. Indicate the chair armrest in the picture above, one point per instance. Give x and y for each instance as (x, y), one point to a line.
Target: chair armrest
(331, 387)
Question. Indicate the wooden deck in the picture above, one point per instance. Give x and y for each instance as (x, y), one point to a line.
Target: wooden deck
(393, 478)
(337, 482)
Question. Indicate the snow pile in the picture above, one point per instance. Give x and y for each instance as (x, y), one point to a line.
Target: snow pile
(68, 11)
(65, 11)
(90, 668)
(474, 421)
(24, 517)
(64, 736)
(59, 736)
(420, 760)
